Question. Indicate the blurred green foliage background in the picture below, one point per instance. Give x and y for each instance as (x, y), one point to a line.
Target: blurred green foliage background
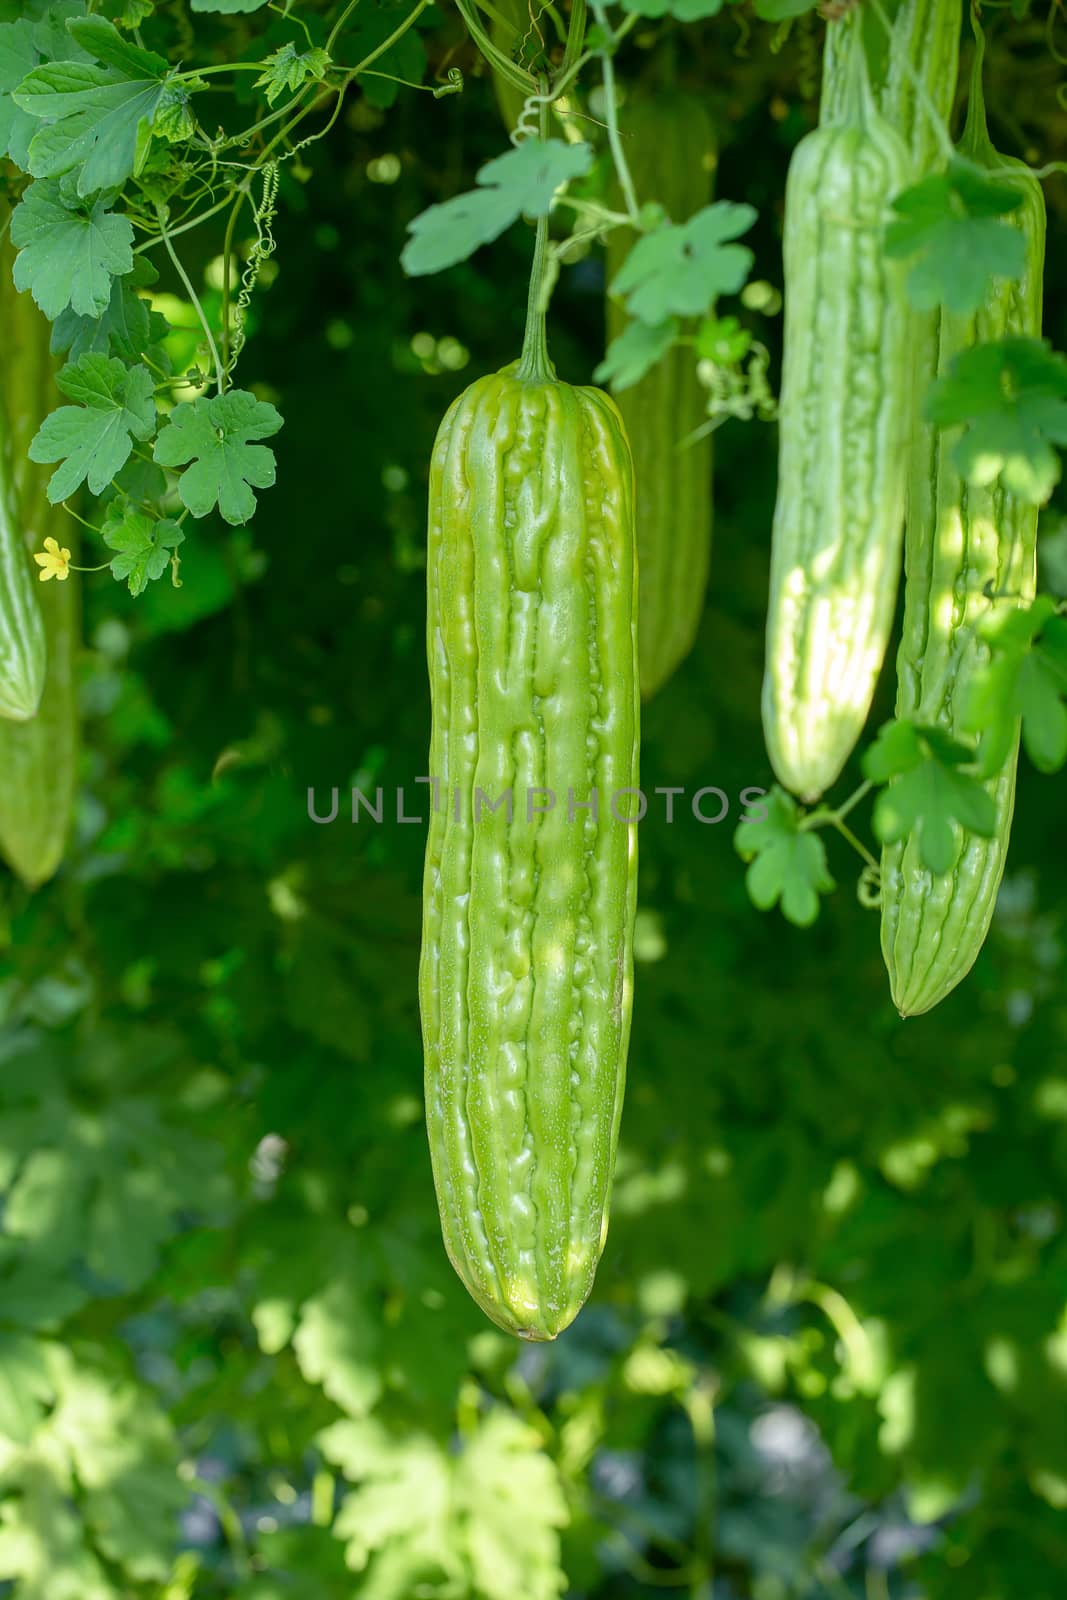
(827, 1352)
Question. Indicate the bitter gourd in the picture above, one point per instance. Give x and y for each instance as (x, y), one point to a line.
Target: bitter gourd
(526, 967)
(961, 540)
(845, 416)
(670, 150)
(913, 73)
(22, 647)
(38, 758)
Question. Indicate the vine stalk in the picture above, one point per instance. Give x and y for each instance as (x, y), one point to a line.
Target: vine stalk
(824, 817)
(611, 115)
(534, 364)
(194, 298)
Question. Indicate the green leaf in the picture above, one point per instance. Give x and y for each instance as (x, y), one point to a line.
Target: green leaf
(214, 435)
(25, 1389)
(680, 268)
(140, 481)
(509, 1505)
(782, 10)
(18, 56)
(229, 8)
(94, 437)
(522, 182)
(123, 1452)
(684, 10)
(897, 749)
(402, 1503)
(42, 1542)
(134, 12)
(1011, 398)
(1044, 716)
(96, 116)
(288, 69)
(952, 223)
(37, 1294)
(337, 1343)
(51, 32)
(126, 328)
(534, 172)
(145, 545)
(23, 43)
(927, 794)
(102, 1187)
(174, 119)
(723, 340)
(102, 40)
(68, 257)
(634, 352)
(482, 1520)
(45, 1205)
(371, 24)
(786, 864)
(1052, 552)
(275, 1322)
(992, 705)
(1025, 679)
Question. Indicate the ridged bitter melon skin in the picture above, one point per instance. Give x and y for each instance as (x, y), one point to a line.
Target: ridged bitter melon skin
(670, 150)
(913, 77)
(526, 973)
(845, 418)
(22, 646)
(38, 757)
(919, 63)
(961, 541)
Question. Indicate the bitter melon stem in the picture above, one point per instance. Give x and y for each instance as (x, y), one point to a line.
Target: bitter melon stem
(975, 142)
(534, 365)
(857, 102)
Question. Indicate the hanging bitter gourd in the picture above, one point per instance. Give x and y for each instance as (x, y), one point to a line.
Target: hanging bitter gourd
(38, 757)
(962, 540)
(914, 72)
(22, 645)
(845, 417)
(526, 968)
(670, 150)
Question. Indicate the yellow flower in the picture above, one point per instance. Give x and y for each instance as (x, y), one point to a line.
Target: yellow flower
(55, 563)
